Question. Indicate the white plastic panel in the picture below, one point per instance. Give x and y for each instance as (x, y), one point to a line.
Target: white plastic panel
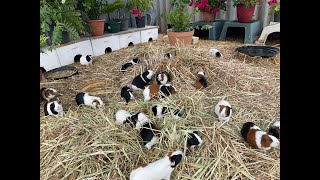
(67, 53)
(99, 45)
(147, 34)
(125, 39)
(49, 60)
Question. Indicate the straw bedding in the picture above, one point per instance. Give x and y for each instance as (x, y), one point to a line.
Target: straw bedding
(87, 144)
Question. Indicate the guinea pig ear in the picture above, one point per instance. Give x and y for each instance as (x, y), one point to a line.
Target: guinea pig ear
(263, 140)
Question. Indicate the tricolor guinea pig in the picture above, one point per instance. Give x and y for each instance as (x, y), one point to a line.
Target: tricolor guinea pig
(142, 80)
(86, 60)
(257, 138)
(125, 66)
(201, 81)
(163, 77)
(127, 93)
(159, 111)
(223, 110)
(86, 99)
(123, 117)
(149, 134)
(193, 140)
(274, 130)
(154, 90)
(215, 53)
(48, 94)
(158, 170)
(53, 108)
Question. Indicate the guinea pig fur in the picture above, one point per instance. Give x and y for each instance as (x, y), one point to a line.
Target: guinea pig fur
(149, 135)
(142, 80)
(257, 138)
(151, 91)
(122, 116)
(86, 99)
(125, 66)
(127, 93)
(167, 89)
(157, 170)
(168, 56)
(163, 78)
(86, 60)
(193, 140)
(223, 110)
(53, 108)
(201, 81)
(48, 94)
(140, 119)
(274, 130)
(215, 53)
(159, 110)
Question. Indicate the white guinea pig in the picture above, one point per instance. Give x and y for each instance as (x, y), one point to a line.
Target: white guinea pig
(122, 116)
(53, 108)
(215, 53)
(86, 99)
(223, 110)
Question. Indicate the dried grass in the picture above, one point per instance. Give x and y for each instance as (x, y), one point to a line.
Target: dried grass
(87, 144)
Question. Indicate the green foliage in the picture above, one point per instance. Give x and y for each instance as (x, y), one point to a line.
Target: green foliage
(95, 8)
(64, 16)
(179, 16)
(43, 40)
(141, 5)
(206, 27)
(247, 3)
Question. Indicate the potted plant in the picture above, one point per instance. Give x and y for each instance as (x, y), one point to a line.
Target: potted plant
(275, 9)
(209, 8)
(182, 31)
(94, 9)
(123, 18)
(245, 9)
(115, 24)
(139, 7)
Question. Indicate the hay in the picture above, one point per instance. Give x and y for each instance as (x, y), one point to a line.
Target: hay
(87, 143)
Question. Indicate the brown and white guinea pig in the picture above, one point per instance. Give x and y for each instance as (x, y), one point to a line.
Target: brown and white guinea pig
(125, 66)
(149, 134)
(86, 60)
(223, 110)
(123, 117)
(274, 130)
(48, 94)
(159, 111)
(193, 140)
(53, 108)
(154, 89)
(163, 77)
(201, 81)
(127, 93)
(157, 170)
(85, 99)
(142, 80)
(257, 138)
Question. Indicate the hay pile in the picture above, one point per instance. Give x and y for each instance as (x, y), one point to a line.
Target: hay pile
(87, 144)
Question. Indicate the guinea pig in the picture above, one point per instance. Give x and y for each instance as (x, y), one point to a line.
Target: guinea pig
(223, 110)
(139, 119)
(53, 108)
(257, 138)
(154, 89)
(86, 60)
(142, 80)
(274, 130)
(201, 81)
(193, 139)
(163, 77)
(48, 94)
(168, 56)
(158, 170)
(125, 66)
(215, 53)
(167, 90)
(127, 93)
(149, 135)
(122, 116)
(86, 99)
(159, 110)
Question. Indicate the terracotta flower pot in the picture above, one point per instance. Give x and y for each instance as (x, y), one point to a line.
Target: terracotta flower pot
(96, 27)
(244, 14)
(180, 38)
(208, 17)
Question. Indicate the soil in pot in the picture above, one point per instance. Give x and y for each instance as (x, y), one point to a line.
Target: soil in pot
(96, 27)
(244, 14)
(141, 22)
(124, 24)
(114, 26)
(180, 38)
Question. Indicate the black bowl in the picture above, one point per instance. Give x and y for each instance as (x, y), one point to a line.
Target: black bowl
(63, 68)
(258, 51)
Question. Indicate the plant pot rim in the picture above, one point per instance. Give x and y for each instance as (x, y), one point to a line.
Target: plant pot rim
(113, 21)
(245, 5)
(170, 30)
(91, 20)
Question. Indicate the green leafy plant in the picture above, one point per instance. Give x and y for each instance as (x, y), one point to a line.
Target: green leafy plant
(43, 40)
(139, 7)
(206, 27)
(246, 3)
(179, 17)
(95, 8)
(63, 16)
(274, 7)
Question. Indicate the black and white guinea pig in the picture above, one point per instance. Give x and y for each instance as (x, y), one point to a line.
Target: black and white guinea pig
(139, 119)
(157, 170)
(167, 89)
(85, 99)
(163, 77)
(127, 93)
(193, 140)
(48, 94)
(168, 55)
(53, 108)
(274, 130)
(149, 134)
(86, 60)
(257, 138)
(159, 110)
(142, 80)
(125, 66)
(124, 117)
(201, 81)
(215, 53)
